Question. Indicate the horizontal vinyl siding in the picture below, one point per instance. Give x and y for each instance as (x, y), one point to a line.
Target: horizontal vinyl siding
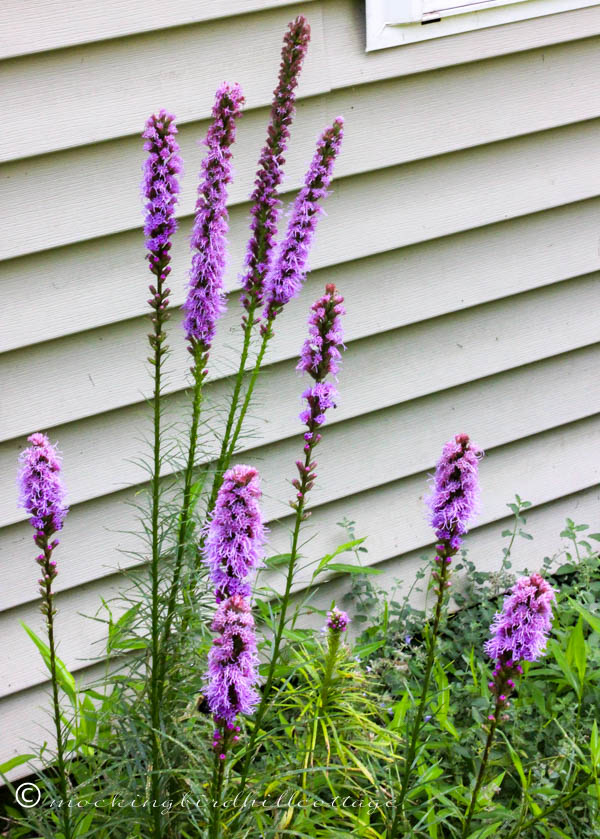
(463, 230)
(37, 27)
(446, 111)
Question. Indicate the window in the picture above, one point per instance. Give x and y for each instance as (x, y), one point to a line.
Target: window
(391, 23)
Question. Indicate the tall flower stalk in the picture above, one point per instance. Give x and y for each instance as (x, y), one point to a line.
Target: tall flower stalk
(288, 271)
(42, 494)
(452, 505)
(205, 301)
(232, 550)
(336, 625)
(287, 277)
(160, 188)
(519, 633)
(319, 358)
(265, 209)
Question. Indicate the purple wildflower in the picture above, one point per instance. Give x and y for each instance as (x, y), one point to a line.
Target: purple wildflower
(205, 301)
(265, 204)
(235, 534)
(320, 356)
(521, 628)
(455, 497)
(337, 620)
(519, 633)
(42, 492)
(160, 188)
(285, 279)
(232, 663)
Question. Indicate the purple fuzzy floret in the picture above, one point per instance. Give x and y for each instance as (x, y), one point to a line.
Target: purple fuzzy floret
(337, 620)
(321, 350)
(42, 492)
(320, 357)
(265, 202)
(205, 301)
(285, 279)
(235, 533)
(520, 630)
(232, 661)
(160, 185)
(455, 497)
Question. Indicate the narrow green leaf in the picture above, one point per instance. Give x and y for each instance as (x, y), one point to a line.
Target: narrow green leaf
(564, 665)
(367, 649)
(63, 676)
(576, 650)
(347, 546)
(345, 568)
(277, 560)
(18, 760)
(593, 620)
(483, 833)
(595, 744)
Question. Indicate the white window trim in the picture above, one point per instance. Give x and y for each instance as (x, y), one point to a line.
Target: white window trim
(391, 23)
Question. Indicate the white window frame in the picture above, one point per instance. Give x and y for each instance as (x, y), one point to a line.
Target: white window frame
(391, 23)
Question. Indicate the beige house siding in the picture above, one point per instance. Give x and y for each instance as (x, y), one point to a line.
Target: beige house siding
(463, 230)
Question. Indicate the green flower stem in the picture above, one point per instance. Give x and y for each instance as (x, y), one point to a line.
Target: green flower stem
(157, 343)
(332, 652)
(229, 442)
(560, 802)
(482, 768)
(443, 580)
(268, 334)
(217, 785)
(199, 373)
(333, 646)
(225, 453)
(49, 612)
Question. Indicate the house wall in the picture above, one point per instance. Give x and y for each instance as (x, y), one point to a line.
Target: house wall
(463, 230)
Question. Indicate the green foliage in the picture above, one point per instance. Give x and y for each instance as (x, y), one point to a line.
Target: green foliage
(329, 754)
(548, 748)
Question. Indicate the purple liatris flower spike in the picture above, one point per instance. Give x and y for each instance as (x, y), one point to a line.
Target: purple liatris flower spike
(160, 188)
(232, 661)
(455, 497)
(285, 279)
(520, 630)
(235, 533)
(337, 620)
(519, 633)
(321, 351)
(265, 203)
(205, 300)
(320, 357)
(42, 492)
